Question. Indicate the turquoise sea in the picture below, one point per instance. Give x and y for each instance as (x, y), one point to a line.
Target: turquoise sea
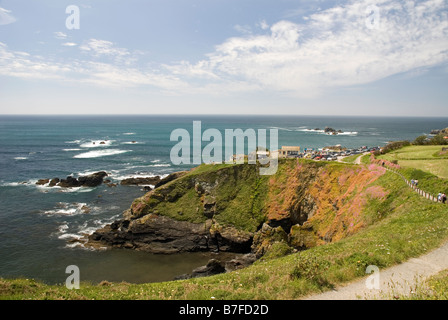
(38, 223)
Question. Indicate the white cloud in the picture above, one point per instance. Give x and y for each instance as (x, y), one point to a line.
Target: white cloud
(60, 35)
(333, 48)
(107, 49)
(69, 44)
(6, 17)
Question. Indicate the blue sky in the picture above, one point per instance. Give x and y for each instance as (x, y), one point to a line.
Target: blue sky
(372, 57)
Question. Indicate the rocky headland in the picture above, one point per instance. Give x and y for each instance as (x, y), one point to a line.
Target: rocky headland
(231, 208)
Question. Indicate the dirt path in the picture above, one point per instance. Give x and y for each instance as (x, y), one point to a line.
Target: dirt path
(399, 279)
(358, 160)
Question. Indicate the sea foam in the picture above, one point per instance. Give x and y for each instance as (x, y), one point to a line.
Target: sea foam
(100, 153)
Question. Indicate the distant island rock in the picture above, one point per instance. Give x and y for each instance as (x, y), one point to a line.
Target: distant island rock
(329, 130)
(332, 131)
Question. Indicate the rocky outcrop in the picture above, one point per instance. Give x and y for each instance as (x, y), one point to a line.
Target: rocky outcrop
(213, 267)
(92, 180)
(188, 213)
(141, 181)
(160, 234)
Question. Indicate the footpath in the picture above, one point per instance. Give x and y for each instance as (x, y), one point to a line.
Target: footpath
(396, 280)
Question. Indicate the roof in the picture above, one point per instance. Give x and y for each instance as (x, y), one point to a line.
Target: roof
(290, 148)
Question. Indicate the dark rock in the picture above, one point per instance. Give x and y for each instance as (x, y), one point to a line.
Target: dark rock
(54, 182)
(139, 181)
(240, 262)
(70, 182)
(92, 180)
(213, 267)
(157, 234)
(42, 181)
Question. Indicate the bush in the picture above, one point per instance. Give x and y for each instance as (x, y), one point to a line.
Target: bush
(391, 146)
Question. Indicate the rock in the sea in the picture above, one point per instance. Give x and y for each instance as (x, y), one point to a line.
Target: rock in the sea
(213, 267)
(91, 180)
(41, 182)
(240, 262)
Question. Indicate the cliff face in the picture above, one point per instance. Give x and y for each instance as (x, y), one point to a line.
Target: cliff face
(232, 208)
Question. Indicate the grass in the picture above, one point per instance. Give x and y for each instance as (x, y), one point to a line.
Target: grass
(427, 164)
(351, 159)
(433, 288)
(426, 158)
(411, 227)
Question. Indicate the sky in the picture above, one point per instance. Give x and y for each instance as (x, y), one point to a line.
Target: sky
(274, 57)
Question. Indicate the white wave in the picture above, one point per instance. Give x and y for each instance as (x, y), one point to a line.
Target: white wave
(68, 209)
(20, 158)
(348, 133)
(138, 175)
(18, 184)
(155, 161)
(74, 149)
(96, 143)
(279, 128)
(70, 236)
(47, 188)
(160, 165)
(132, 142)
(63, 228)
(129, 133)
(74, 142)
(100, 153)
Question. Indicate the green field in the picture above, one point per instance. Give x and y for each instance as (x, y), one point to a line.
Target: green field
(426, 158)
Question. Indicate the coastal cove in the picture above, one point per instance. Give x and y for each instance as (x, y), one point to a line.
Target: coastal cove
(40, 224)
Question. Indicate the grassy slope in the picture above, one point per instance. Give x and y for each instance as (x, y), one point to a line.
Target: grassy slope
(426, 158)
(427, 164)
(407, 226)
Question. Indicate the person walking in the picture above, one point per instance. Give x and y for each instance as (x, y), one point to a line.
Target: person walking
(439, 197)
(443, 198)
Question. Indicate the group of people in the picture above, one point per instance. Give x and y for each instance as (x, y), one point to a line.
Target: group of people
(441, 197)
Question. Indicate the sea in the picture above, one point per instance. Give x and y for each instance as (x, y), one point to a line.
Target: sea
(39, 225)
